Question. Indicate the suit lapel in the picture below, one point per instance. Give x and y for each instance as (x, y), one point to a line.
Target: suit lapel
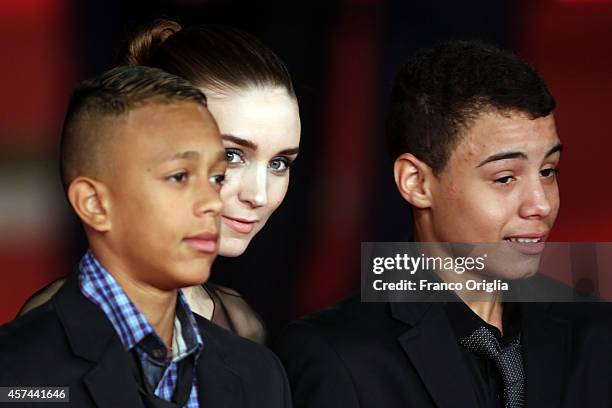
(431, 346)
(111, 382)
(546, 349)
(92, 337)
(218, 384)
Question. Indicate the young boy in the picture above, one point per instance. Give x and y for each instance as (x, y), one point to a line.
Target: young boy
(142, 164)
(473, 137)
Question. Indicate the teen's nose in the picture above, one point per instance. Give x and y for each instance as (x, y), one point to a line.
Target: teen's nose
(537, 199)
(208, 200)
(254, 186)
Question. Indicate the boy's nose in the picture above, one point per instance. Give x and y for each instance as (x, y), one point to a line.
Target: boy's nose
(208, 202)
(536, 202)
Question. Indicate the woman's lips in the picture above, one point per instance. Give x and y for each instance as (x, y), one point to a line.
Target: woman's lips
(239, 225)
(206, 242)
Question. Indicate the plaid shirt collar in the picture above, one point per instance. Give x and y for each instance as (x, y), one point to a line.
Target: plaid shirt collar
(99, 286)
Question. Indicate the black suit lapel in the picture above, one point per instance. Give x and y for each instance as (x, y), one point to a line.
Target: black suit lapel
(546, 349)
(433, 350)
(92, 337)
(111, 382)
(218, 384)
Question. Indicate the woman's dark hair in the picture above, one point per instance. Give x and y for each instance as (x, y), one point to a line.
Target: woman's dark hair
(211, 56)
(442, 89)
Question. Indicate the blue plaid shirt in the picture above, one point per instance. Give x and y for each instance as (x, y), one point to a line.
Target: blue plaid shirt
(159, 365)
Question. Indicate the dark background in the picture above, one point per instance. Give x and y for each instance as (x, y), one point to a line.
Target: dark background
(343, 56)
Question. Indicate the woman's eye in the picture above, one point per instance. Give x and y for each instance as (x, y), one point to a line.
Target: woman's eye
(179, 177)
(217, 179)
(233, 156)
(279, 165)
(505, 180)
(550, 172)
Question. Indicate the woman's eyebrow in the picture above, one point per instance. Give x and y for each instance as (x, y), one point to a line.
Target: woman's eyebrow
(290, 152)
(253, 146)
(240, 141)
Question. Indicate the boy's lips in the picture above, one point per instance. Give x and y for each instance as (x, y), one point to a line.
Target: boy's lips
(240, 225)
(206, 242)
(528, 243)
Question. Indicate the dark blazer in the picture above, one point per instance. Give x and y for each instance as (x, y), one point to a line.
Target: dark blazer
(69, 342)
(404, 355)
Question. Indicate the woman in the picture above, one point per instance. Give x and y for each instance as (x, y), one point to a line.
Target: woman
(251, 96)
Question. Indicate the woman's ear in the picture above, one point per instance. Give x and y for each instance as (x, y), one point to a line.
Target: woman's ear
(90, 200)
(413, 180)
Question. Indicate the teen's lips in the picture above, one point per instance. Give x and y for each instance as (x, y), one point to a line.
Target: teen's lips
(240, 225)
(206, 242)
(528, 243)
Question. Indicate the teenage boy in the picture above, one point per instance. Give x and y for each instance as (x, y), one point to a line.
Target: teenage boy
(476, 154)
(142, 164)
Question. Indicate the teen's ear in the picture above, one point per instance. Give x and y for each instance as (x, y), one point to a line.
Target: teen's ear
(90, 200)
(413, 180)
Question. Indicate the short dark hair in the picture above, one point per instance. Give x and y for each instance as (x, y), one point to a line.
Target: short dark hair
(212, 56)
(441, 90)
(112, 95)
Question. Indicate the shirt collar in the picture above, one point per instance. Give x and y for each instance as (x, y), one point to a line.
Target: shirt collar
(464, 321)
(100, 287)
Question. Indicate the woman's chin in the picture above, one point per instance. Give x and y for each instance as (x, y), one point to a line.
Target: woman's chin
(233, 247)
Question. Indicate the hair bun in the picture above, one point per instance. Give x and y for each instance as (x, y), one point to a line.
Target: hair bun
(141, 45)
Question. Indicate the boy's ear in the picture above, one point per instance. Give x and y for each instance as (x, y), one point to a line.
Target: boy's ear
(413, 180)
(90, 200)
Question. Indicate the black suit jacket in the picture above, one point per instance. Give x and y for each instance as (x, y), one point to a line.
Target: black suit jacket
(383, 355)
(69, 342)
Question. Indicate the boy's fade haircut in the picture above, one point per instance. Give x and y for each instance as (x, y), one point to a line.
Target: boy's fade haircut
(440, 91)
(112, 95)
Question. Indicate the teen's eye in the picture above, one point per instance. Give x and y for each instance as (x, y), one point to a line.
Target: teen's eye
(505, 180)
(234, 156)
(217, 179)
(279, 165)
(178, 177)
(549, 172)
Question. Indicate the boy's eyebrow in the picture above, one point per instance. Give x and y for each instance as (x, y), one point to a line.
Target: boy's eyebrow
(240, 141)
(186, 155)
(503, 156)
(517, 155)
(557, 148)
(221, 156)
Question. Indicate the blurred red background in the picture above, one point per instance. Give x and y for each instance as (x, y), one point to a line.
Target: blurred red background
(343, 57)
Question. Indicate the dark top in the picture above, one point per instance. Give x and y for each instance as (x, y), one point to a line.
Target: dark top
(68, 341)
(388, 355)
(230, 311)
(484, 375)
